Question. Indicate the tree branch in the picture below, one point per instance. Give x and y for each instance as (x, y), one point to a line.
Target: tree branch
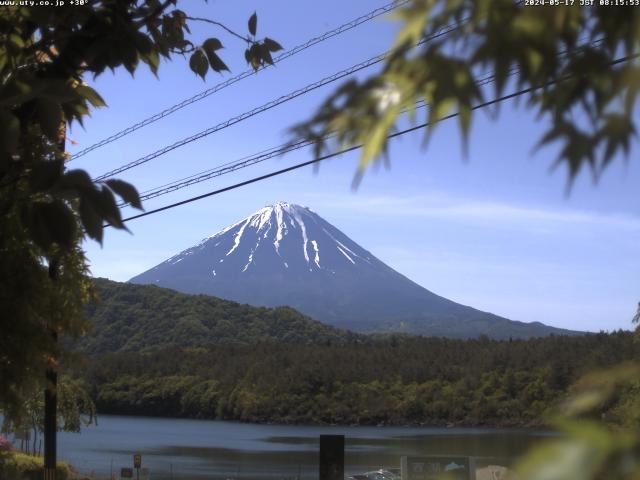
(155, 13)
(221, 25)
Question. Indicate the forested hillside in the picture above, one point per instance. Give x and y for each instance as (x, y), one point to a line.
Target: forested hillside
(396, 380)
(142, 317)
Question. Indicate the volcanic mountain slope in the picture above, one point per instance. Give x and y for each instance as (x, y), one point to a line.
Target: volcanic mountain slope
(286, 254)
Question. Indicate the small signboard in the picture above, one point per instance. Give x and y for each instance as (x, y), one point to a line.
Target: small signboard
(126, 473)
(431, 467)
(137, 460)
(144, 474)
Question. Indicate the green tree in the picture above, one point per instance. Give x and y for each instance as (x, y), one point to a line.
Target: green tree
(573, 66)
(589, 447)
(47, 209)
(76, 409)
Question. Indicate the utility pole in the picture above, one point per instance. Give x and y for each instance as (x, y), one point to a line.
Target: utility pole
(50, 411)
(51, 393)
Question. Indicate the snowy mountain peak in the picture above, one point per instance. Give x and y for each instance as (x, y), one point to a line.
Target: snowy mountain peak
(286, 254)
(285, 206)
(282, 236)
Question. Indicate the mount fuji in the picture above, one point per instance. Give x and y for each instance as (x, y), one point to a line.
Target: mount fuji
(286, 254)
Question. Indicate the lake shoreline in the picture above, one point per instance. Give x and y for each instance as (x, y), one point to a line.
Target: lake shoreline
(304, 422)
(203, 449)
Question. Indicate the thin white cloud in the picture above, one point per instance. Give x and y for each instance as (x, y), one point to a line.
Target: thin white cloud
(447, 208)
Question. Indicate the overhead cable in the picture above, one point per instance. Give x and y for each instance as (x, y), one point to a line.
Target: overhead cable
(267, 106)
(356, 147)
(247, 73)
(273, 152)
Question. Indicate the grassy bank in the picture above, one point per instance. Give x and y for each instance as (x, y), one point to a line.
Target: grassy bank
(20, 466)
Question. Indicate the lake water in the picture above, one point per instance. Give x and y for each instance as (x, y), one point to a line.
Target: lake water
(200, 449)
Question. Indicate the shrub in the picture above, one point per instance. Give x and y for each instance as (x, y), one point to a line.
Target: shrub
(19, 466)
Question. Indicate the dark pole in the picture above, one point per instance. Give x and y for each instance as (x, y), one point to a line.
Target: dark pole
(331, 457)
(51, 406)
(50, 409)
(50, 393)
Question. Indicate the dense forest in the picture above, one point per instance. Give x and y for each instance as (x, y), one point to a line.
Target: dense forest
(154, 351)
(384, 380)
(131, 317)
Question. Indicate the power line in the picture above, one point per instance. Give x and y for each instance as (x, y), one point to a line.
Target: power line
(319, 159)
(224, 169)
(444, 30)
(250, 160)
(232, 166)
(283, 149)
(356, 147)
(247, 73)
(243, 116)
(219, 167)
(267, 154)
(297, 166)
(247, 161)
(269, 105)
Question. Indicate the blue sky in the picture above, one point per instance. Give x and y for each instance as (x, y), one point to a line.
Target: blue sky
(495, 229)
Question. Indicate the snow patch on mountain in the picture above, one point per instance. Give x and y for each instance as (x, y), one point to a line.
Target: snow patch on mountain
(237, 238)
(317, 257)
(346, 255)
(269, 227)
